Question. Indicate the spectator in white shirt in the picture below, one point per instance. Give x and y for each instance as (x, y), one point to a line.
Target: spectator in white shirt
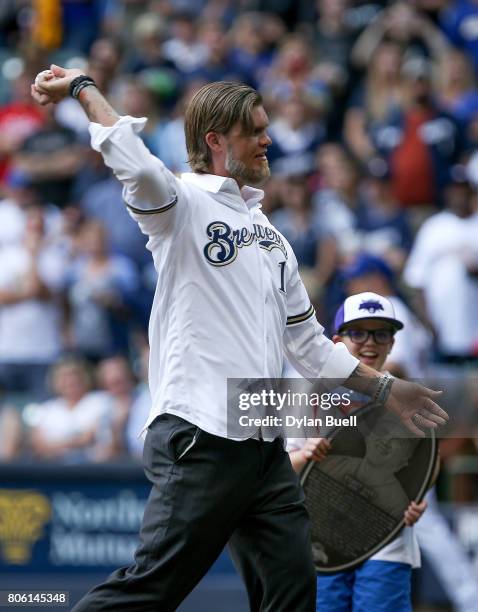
(31, 285)
(20, 195)
(116, 378)
(66, 425)
(443, 266)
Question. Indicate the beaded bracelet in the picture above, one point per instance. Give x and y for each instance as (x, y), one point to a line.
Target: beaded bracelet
(79, 83)
(383, 389)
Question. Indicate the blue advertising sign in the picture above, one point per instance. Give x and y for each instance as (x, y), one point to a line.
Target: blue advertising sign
(70, 523)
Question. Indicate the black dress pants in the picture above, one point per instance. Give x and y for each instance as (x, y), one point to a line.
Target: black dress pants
(208, 491)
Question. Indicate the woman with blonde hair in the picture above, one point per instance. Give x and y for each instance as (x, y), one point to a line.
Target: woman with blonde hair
(372, 101)
(457, 91)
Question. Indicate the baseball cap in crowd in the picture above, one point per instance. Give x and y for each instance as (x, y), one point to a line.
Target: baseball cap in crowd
(366, 305)
(366, 263)
(17, 179)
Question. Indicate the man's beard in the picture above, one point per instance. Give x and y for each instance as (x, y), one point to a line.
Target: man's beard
(239, 171)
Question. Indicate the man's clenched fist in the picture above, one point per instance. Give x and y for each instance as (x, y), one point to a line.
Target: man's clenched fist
(53, 85)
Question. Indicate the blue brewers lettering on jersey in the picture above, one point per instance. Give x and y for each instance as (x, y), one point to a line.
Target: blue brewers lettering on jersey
(224, 244)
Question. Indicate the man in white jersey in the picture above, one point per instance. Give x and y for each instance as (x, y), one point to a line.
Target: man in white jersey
(229, 302)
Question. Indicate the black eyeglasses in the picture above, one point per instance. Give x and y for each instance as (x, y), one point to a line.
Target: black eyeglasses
(360, 336)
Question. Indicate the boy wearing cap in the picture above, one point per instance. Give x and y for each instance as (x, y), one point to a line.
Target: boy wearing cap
(366, 324)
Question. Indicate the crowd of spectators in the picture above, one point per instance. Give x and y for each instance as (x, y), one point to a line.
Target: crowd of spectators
(373, 112)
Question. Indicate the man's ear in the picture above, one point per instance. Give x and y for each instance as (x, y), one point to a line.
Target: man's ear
(391, 346)
(215, 141)
(336, 338)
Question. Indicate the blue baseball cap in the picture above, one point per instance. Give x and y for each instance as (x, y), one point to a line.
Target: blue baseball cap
(17, 179)
(366, 305)
(365, 263)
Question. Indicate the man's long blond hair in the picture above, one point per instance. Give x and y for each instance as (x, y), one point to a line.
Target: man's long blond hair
(216, 107)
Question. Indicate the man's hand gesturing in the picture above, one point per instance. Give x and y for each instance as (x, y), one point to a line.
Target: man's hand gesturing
(53, 85)
(415, 406)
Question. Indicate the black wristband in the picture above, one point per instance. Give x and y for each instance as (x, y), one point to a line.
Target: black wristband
(79, 83)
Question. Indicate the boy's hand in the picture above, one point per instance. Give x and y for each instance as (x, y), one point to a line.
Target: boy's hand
(316, 449)
(414, 512)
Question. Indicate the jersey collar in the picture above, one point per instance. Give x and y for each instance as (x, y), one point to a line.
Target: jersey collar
(217, 184)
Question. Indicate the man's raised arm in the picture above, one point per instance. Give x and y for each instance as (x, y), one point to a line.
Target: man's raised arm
(149, 187)
(55, 84)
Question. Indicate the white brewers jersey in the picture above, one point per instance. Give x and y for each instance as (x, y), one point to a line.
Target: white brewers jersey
(229, 300)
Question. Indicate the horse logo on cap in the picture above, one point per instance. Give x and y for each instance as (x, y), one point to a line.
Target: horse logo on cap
(372, 306)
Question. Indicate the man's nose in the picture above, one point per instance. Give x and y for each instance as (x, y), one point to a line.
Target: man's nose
(265, 140)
